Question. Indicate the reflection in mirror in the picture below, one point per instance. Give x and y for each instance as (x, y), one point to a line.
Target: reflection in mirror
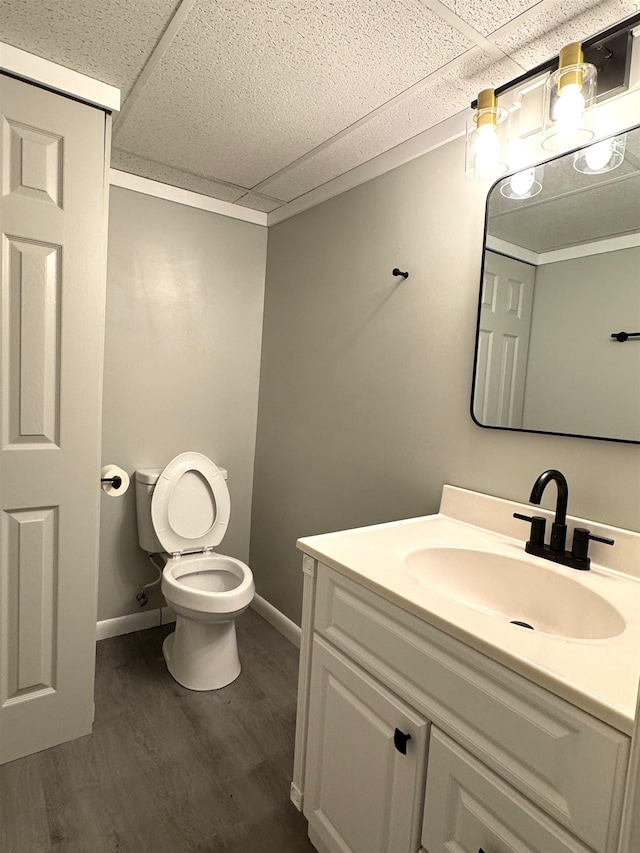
(561, 277)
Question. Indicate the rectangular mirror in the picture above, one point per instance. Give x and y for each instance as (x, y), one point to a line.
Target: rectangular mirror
(560, 282)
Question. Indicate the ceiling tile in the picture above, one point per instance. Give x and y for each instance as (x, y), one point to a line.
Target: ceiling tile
(426, 106)
(109, 40)
(136, 165)
(542, 36)
(248, 86)
(486, 19)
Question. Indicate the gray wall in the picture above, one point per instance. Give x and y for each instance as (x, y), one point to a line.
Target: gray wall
(577, 304)
(365, 379)
(182, 358)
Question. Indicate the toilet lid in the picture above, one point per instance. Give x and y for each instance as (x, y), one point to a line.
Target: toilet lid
(190, 505)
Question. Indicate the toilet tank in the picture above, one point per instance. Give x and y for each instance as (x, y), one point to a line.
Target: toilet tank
(146, 479)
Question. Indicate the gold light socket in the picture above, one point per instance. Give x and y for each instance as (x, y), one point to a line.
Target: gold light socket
(487, 113)
(571, 56)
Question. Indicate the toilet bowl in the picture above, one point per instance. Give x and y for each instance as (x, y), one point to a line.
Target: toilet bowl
(183, 511)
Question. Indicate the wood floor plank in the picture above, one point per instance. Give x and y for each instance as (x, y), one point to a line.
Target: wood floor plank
(167, 770)
(23, 817)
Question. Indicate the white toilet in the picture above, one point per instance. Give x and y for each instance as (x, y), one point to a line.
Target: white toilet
(183, 512)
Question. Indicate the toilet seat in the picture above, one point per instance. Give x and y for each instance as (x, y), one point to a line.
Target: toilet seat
(203, 596)
(190, 506)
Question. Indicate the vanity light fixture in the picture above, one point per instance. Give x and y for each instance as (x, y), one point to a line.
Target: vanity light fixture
(485, 141)
(569, 98)
(526, 183)
(584, 74)
(603, 156)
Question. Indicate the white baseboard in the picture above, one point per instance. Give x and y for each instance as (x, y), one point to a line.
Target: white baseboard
(127, 624)
(164, 616)
(167, 616)
(279, 621)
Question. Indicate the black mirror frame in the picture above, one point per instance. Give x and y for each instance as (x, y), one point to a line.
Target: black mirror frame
(476, 346)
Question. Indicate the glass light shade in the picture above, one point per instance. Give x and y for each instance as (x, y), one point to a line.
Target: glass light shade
(486, 144)
(569, 102)
(522, 185)
(603, 156)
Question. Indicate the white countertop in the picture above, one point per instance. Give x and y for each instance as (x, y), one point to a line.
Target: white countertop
(600, 676)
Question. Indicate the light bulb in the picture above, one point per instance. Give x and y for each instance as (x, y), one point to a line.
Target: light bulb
(599, 155)
(569, 110)
(486, 149)
(522, 182)
(484, 142)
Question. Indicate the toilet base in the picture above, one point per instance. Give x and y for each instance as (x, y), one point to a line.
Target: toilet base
(202, 655)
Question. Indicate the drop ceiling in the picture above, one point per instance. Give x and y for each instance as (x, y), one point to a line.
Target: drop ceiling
(258, 102)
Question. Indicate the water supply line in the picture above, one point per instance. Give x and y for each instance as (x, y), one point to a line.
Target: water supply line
(141, 597)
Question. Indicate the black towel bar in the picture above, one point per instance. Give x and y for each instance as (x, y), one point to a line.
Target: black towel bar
(621, 337)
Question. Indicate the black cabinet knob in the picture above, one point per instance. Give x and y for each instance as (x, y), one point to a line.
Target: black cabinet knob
(400, 741)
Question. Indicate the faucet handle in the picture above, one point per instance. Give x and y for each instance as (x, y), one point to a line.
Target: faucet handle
(538, 523)
(581, 537)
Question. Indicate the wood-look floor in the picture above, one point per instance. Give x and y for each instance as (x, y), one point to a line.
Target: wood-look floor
(167, 770)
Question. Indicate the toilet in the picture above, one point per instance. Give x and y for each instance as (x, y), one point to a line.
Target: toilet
(183, 512)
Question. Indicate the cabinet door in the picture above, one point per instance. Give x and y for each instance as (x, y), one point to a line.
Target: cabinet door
(468, 809)
(363, 794)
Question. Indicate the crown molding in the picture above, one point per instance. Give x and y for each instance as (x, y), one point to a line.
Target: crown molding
(33, 68)
(436, 136)
(127, 181)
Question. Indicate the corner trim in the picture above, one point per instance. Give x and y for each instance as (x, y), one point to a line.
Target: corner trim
(279, 621)
(127, 181)
(309, 565)
(30, 67)
(296, 796)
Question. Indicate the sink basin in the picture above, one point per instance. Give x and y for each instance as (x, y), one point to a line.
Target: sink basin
(518, 590)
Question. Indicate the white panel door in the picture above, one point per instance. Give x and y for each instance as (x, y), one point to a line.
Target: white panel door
(362, 795)
(52, 228)
(503, 344)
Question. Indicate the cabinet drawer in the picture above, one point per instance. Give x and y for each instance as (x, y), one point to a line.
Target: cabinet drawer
(570, 764)
(468, 808)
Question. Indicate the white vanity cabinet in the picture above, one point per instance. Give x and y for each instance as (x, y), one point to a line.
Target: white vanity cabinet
(494, 762)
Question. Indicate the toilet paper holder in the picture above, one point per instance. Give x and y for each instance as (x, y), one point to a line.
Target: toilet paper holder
(116, 481)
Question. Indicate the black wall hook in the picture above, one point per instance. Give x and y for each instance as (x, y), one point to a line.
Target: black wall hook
(396, 271)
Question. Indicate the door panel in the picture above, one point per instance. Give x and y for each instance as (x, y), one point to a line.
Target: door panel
(52, 221)
(503, 341)
(33, 344)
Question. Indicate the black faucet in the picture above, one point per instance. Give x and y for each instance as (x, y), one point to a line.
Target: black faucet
(578, 557)
(559, 526)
